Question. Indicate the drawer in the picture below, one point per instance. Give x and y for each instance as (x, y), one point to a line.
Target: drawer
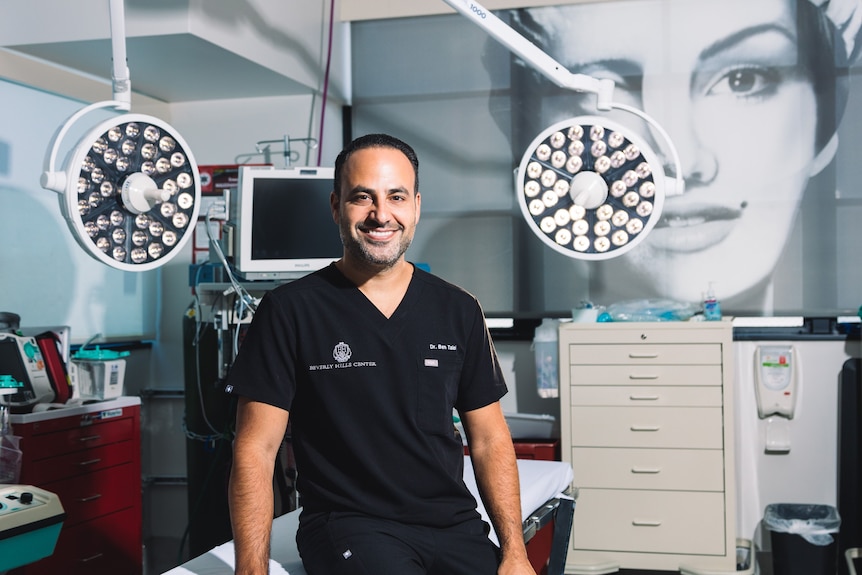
(76, 439)
(671, 427)
(109, 545)
(646, 396)
(79, 462)
(98, 493)
(666, 469)
(645, 354)
(677, 375)
(650, 522)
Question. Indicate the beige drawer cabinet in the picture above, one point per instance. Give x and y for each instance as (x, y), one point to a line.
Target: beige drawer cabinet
(646, 414)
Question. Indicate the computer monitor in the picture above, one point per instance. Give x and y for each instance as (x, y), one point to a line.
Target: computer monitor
(281, 223)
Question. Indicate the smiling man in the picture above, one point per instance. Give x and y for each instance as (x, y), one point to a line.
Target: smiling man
(368, 358)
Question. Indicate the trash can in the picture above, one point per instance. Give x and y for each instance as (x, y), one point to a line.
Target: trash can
(802, 538)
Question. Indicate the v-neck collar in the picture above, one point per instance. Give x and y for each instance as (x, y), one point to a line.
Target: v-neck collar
(361, 301)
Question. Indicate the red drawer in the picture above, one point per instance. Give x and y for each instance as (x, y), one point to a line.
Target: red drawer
(47, 445)
(64, 422)
(544, 450)
(109, 545)
(79, 462)
(548, 451)
(98, 493)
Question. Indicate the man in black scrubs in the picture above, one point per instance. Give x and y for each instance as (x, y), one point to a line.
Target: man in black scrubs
(369, 357)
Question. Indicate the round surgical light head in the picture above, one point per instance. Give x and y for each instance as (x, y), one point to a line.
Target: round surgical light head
(606, 180)
(130, 192)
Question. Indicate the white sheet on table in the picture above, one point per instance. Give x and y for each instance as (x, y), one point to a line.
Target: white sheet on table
(540, 481)
(225, 552)
(178, 571)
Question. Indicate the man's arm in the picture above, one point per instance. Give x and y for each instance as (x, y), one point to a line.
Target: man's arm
(496, 470)
(260, 430)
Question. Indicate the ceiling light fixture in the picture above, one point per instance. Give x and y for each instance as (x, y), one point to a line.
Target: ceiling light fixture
(130, 188)
(589, 188)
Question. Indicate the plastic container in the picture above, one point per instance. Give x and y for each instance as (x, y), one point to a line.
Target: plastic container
(711, 306)
(547, 352)
(98, 374)
(10, 452)
(803, 538)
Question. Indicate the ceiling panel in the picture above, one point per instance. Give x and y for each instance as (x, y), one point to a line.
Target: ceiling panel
(173, 68)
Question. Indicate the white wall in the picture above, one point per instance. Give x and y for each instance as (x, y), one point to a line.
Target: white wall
(808, 472)
(45, 277)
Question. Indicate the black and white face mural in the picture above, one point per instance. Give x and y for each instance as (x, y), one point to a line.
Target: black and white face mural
(757, 96)
(752, 95)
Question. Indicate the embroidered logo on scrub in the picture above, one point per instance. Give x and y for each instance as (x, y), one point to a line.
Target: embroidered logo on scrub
(342, 353)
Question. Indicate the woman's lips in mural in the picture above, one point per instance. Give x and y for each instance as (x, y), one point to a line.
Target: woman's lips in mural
(693, 227)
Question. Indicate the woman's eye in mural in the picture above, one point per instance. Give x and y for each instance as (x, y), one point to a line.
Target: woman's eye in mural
(746, 82)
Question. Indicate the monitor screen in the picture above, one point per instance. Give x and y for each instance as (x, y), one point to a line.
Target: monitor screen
(11, 365)
(282, 222)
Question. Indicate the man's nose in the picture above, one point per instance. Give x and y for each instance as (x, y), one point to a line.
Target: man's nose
(380, 211)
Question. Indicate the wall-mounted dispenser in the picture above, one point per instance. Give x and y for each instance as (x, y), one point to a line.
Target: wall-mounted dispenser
(776, 390)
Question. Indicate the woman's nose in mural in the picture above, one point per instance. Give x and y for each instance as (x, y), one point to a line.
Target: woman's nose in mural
(669, 103)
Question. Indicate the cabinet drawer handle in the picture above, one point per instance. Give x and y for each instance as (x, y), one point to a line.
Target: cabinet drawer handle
(90, 438)
(91, 558)
(89, 462)
(644, 397)
(651, 470)
(90, 498)
(644, 427)
(642, 523)
(636, 376)
(643, 355)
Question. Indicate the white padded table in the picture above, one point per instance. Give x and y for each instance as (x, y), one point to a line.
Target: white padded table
(541, 481)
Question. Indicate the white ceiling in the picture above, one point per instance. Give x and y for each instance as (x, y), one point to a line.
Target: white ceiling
(190, 50)
(376, 9)
(175, 68)
(180, 50)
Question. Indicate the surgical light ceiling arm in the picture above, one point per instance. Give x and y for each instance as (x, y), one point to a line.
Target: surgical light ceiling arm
(130, 190)
(530, 53)
(572, 166)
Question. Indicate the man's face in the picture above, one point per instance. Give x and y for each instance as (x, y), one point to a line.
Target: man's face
(377, 208)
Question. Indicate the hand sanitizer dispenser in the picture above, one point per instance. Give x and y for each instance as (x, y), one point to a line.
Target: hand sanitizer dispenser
(775, 387)
(775, 379)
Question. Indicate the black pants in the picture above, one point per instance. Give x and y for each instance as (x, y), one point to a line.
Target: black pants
(353, 544)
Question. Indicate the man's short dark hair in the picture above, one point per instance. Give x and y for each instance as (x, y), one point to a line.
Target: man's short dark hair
(376, 141)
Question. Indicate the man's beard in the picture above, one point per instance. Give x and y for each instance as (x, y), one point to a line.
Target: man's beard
(360, 250)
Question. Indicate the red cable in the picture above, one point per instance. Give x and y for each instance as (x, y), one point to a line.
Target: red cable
(325, 83)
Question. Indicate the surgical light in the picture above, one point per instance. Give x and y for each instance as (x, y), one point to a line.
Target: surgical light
(130, 188)
(588, 187)
(587, 190)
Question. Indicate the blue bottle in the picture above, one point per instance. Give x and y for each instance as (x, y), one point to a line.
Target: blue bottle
(711, 306)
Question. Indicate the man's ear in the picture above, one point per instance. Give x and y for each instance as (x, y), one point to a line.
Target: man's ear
(334, 204)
